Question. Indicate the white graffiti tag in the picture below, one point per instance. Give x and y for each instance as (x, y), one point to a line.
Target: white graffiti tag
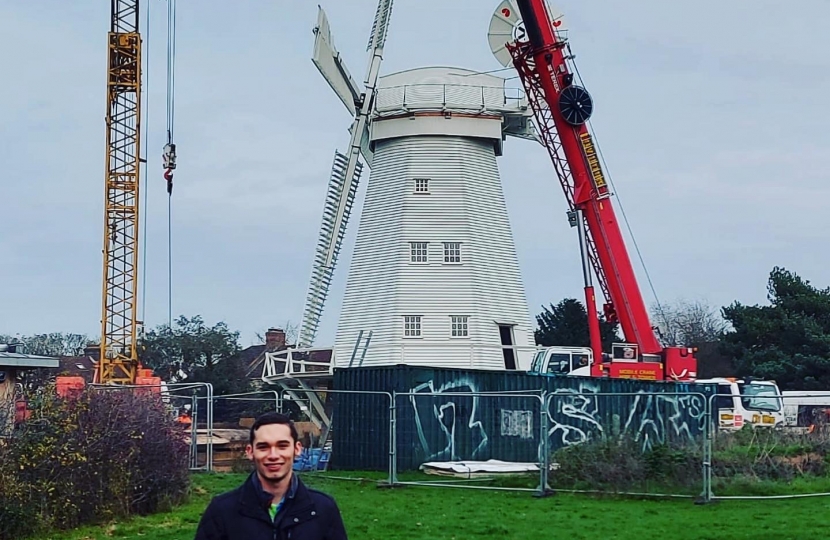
(446, 410)
(574, 415)
(657, 419)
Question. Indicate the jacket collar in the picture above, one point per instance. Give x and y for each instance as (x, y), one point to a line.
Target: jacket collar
(265, 497)
(254, 501)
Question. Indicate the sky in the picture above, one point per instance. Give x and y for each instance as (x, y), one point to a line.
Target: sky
(712, 117)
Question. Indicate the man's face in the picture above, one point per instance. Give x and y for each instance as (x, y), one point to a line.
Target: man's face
(273, 452)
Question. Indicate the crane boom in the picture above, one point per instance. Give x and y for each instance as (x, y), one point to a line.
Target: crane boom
(561, 110)
(118, 359)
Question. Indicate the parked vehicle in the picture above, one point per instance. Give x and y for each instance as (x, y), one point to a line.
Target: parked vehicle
(747, 402)
(807, 410)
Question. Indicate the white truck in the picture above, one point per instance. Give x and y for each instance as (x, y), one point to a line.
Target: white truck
(747, 402)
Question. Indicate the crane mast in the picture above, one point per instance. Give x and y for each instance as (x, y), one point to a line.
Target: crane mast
(561, 110)
(118, 358)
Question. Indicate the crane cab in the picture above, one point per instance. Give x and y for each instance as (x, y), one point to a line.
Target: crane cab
(563, 361)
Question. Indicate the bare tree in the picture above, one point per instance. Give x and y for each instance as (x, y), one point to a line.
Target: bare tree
(292, 331)
(688, 323)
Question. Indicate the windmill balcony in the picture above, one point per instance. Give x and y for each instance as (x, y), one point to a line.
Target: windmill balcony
(448, 97)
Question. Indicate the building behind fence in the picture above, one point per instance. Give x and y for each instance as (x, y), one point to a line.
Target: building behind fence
(504, 426)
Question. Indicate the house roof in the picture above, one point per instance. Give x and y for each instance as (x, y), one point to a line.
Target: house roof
(27, 361)
(79, 366)
(249, 357)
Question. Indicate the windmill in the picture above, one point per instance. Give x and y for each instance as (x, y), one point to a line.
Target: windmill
(434, 278)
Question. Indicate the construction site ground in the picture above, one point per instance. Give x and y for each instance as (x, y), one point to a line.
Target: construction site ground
(444, 513)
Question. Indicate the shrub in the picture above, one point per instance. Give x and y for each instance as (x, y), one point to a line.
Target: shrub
(101, 455)
(749, 461)
(620, 465)
(770, 455)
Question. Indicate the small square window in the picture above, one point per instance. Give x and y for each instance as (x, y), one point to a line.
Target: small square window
(418, 252)
(452, 252)
(459, 326)
(412, 326)
(422, 185)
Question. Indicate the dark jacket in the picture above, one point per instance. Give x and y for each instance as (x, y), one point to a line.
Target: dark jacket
(242, 514)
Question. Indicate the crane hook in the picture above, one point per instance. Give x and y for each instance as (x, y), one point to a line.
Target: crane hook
(169, 163)
(168, 175)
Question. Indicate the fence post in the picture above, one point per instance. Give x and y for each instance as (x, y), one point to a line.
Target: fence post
(209, 427)
(194, 436)
(708, 439)
(393, 440)
(544, 458)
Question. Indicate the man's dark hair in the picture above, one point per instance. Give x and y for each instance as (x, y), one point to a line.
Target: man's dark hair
(274, 418)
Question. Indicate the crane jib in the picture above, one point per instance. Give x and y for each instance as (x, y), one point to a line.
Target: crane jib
(561, 110)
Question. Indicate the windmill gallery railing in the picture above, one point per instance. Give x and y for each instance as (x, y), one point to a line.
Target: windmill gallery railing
(318, 362)
(438, 96)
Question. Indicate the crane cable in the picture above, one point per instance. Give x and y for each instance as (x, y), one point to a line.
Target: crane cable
(169, 156)
(619, 200)
(146, 123)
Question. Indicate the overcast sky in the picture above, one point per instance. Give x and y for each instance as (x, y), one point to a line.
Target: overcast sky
(712, 117)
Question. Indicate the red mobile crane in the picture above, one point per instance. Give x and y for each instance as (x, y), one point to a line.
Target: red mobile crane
(561, 109)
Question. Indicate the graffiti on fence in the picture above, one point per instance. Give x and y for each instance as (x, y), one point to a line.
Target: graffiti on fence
(578, 415)
(517, 424)
(457, 418)
(657, 419)
(574, 415)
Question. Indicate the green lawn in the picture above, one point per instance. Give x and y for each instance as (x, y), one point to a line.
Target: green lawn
(447, 513)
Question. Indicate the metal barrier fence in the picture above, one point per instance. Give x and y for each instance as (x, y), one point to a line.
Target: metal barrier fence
(464, 438)
(768, 445)
(665, 444)
(640, 433)
(661, 444)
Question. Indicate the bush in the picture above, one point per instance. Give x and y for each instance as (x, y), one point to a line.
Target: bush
(761, 455)
(751, 461)
(621, 465)
(105, 454)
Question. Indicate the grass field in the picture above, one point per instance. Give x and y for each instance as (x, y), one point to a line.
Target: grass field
(447, 513)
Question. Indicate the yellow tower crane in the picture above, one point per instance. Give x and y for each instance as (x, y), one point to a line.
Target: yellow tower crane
(118, 356)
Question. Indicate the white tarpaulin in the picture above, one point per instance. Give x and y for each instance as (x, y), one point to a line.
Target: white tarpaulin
(468, 469)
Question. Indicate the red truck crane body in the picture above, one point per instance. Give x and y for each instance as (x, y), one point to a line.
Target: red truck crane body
(542, 64)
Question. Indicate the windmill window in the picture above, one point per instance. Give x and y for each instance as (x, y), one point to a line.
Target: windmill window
(418, 252)
(459, 326)
(412, 326)
(422, 185)
(452, 252)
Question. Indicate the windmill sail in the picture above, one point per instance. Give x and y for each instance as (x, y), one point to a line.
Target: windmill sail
(330, 234)
(331, 66)
(381, 25)
(347, 167)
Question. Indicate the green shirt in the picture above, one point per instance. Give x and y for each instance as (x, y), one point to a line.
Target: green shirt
(274, 508)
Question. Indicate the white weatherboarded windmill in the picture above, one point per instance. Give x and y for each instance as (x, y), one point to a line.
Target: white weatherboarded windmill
(434, 278)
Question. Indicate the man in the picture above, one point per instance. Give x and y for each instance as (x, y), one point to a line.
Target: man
(273, 503)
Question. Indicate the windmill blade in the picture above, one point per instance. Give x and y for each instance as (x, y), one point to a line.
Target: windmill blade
(331, 66)
(331, 236)
(347, 167)
(377, 40)
(381, 25)
(360, 126)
